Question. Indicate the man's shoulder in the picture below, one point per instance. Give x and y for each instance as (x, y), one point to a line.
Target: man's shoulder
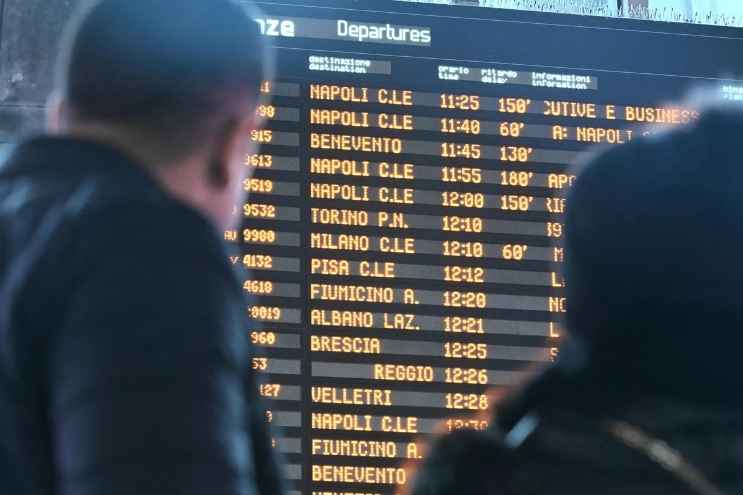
(85, 235)
(151, 224)
(160, 238)
(79, 197)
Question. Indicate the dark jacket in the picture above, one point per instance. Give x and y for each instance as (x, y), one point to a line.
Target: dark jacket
(564, 452)
(570, 453)
(124, 360)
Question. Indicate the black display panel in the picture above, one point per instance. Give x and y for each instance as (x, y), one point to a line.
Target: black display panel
(401, 240)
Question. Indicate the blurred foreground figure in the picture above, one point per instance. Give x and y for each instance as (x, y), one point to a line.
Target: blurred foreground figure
(646, 395)
(124, 363)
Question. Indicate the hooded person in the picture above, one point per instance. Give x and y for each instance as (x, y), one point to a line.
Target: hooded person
(644, 397)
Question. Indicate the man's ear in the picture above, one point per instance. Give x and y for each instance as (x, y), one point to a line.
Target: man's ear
(231, 147)
(56, 108)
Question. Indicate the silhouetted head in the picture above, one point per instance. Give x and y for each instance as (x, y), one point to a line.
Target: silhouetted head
(654, 280)
(653, 263)
(174, 83)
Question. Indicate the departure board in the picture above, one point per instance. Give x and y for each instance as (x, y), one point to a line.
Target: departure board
(401, 241)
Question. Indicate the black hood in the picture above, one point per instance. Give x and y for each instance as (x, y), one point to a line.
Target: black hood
(654, 272)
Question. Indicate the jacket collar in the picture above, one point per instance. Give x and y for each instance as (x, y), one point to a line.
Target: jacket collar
(69, 156)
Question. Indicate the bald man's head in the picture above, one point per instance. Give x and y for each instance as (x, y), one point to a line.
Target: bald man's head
(175, 72)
